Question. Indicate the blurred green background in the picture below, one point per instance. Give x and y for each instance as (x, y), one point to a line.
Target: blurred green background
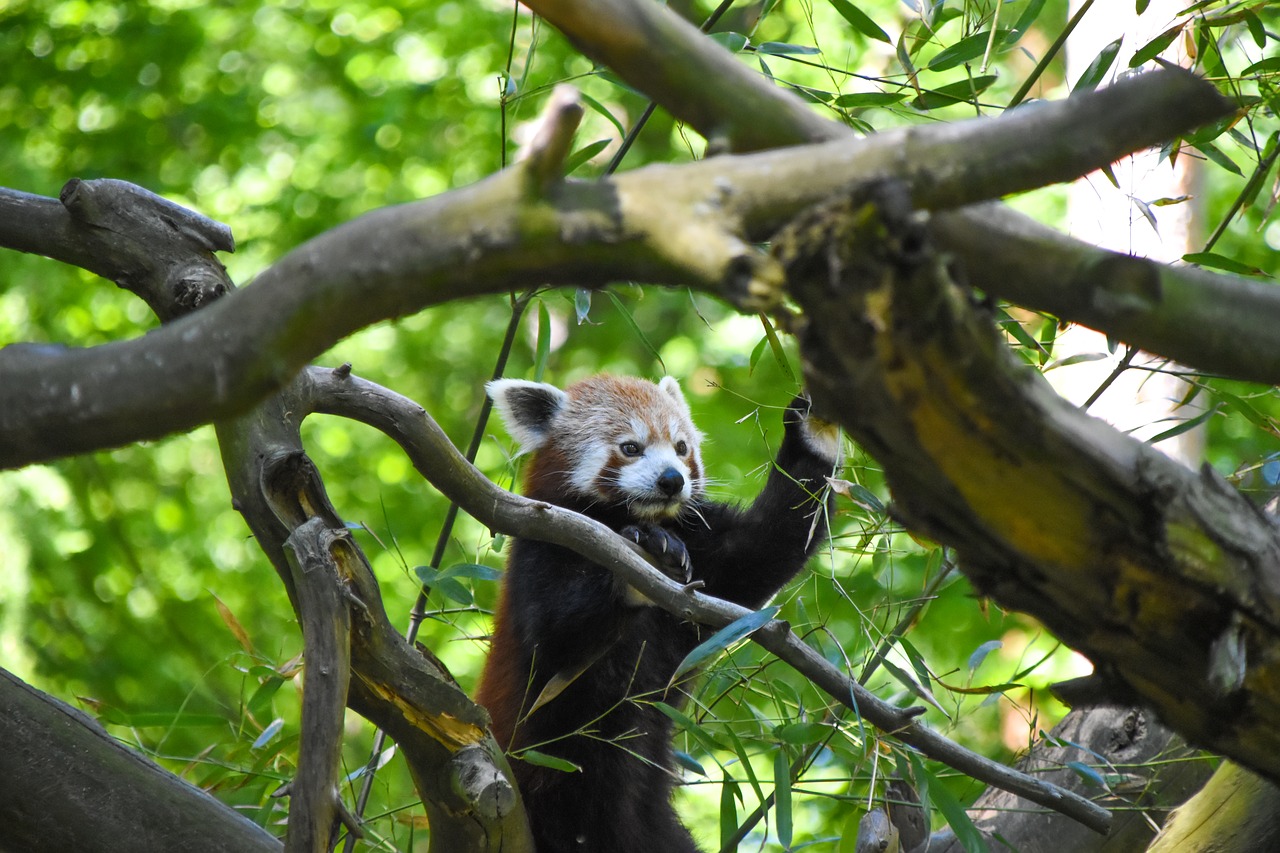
(130, 587)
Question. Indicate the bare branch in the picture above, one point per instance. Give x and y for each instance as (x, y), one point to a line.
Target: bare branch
(437, 460)
(158, 250)
(442, 734)
(325, 617)
(554, 138)
(679, 225)
(668, 59)
(1217, 323)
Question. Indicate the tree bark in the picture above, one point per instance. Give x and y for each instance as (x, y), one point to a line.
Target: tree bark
(1167, 579)
(65, 784)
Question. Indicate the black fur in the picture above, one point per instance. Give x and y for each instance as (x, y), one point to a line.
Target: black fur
(564, 614)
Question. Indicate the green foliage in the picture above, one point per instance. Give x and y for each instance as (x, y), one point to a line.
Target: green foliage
(131, 586)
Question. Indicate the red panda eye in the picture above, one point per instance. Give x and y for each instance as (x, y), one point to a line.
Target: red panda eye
(681, 448)
(629, 448)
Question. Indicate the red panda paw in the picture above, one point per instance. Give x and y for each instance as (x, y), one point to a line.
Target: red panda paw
(667, 550)
(820, 436)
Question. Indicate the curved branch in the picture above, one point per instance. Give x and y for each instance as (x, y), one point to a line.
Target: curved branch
(146, 244)
(434, 456)
(680, 225)
(403, 690)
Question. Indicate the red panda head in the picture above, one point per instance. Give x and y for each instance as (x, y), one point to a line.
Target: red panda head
(607, 439)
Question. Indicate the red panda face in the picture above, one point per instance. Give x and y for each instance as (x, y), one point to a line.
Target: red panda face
(614, 440)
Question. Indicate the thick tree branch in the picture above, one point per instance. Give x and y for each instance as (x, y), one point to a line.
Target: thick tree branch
(680, 225)
(158, 250)
(108, 798)
(1167, 578)
(457, 767)
(667, 58)
(437, 460)
(1217, 323)
(1214, 322)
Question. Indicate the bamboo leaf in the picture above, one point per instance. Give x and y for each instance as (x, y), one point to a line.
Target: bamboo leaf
(737, 630)
(542, 759)
(860, 21)
(1098, 69)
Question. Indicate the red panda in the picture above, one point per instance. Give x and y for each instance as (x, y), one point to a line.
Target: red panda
(625, 452)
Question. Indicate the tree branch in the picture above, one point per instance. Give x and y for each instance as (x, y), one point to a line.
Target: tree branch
(680, 225)
(1216, 323)
(439, 462)
(1168, 579)
(110, 799)
(158, 250)
(459, 770)
(325, 617)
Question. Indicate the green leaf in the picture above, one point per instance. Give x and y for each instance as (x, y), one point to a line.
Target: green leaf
(857, 100)
(1262, 66)
(603, 111)
(542, 349)
(259, 704)
(699, 733)
(744, 761)
(475, 571)
(778, 48)
(730, 794)
(1098, 69)
(1141, 6)
(964, 50)
(635, 328)
(583, 154)
(782, 797)
(1028, 17)
(268, 734)
(962, 91)
(756, 352)
(860, 21)
(1256, 29)
(802, 734)
(1220, 262)
(735, 631)
(905, 679)
(1185, 426)
(775, 346)
(1088, 774)
(1215, 154)
(732, 42)
(541, 759)
(1153, 48)
(454, 591)
(966, 833)
(980, 653)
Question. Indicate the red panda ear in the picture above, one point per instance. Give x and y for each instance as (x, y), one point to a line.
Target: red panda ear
(669, 386)
(527, 409)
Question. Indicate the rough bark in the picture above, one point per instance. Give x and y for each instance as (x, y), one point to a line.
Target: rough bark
(691, 225)
(1166, 578)
(1147, 769)
(1236, 810)
(65, 784)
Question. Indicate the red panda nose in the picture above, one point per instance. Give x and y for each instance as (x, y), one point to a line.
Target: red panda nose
(670, 482)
